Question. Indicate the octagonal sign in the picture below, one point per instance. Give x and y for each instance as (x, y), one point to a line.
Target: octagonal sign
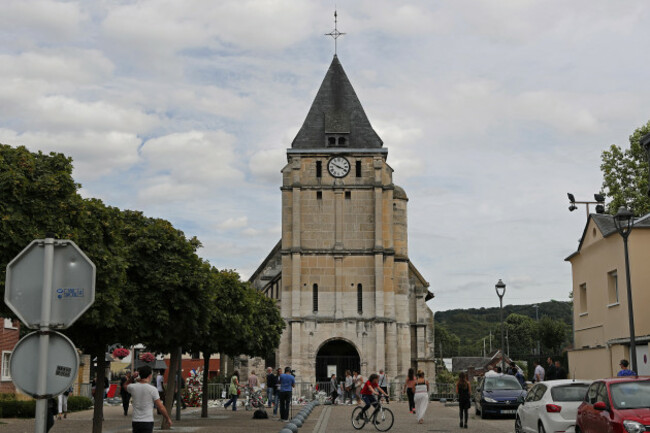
(73, 284)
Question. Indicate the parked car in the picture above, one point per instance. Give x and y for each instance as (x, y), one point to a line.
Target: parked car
(498, 395)
(551, 406)
(618, 405)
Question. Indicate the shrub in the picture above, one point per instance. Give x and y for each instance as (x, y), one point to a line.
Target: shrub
(18, 408)
(78, 402)
(7, 396)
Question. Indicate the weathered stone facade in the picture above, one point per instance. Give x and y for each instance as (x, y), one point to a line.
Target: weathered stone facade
(341, 272)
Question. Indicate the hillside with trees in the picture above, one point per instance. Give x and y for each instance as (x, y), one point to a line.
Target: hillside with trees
(462, 332)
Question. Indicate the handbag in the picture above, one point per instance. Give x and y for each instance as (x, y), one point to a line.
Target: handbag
(238, 391)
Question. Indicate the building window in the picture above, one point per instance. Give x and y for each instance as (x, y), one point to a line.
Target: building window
(341, 141)
(319, 169)
(359, 298)
(331, 141)
(348, 195)
(315, 296)
(319, 195)
(9, 324)
(583, 298)
(358, 164)
(5, 366)
(612, 287)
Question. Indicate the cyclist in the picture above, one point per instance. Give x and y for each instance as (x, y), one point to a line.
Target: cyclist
(368, 392)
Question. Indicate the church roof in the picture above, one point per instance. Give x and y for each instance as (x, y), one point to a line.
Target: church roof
(336, 110)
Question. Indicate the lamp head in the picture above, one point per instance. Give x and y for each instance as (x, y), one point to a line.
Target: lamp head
(624, 220)
(600, 198)
(572, 207)
(572, 199)
(500, 288)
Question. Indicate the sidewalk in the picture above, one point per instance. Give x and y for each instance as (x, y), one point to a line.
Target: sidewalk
(219, 420)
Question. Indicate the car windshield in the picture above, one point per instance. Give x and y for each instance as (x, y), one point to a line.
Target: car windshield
(572, 392)
(631, 395)
(501, 382)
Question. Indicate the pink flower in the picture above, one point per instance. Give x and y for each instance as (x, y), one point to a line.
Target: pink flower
(121, 352)
(147, 357)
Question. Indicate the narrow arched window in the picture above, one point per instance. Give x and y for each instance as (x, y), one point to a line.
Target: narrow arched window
(315, 296)
(359, 299)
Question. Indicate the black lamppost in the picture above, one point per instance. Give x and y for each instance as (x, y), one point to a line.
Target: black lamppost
(536, 307)
(500, 288)
(624, 221)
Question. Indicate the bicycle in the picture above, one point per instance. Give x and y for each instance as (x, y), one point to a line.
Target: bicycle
(382, 418)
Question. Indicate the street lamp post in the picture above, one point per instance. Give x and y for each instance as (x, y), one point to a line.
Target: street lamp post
(500, 288)
(624, 221)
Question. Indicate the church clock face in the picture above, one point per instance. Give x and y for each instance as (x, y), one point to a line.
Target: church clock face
(338, 166)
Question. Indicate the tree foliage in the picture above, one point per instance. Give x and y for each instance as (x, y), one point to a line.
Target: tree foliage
(625, 175)
(521, 333)
(446, 342)
(552, 333)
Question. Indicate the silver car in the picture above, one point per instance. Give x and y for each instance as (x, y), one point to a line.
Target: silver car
(551, 406)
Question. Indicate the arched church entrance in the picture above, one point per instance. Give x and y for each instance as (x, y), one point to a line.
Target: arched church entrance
(336, 356)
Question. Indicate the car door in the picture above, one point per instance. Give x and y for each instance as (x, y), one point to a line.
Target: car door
(586, 412)
(524, 409)
(602, 418)
(532, 410)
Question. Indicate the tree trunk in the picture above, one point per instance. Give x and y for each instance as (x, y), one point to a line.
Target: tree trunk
(171, 385)
(98, 411)
(204, 397)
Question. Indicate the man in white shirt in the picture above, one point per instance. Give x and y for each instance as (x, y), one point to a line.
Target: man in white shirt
(491, 372)
(539, 373)
(383, 384)
(144, 397)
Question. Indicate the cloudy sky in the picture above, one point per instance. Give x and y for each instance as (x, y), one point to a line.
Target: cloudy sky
(491, 111)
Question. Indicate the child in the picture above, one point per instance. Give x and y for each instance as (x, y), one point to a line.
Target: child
(368, 392)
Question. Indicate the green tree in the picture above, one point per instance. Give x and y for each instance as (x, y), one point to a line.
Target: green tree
(521, 333)
(166, 283)
(552, 333)
(445, 341)
(37, 195)
(625, 175)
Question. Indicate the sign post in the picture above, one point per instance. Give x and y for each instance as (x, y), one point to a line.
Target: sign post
(32, 277)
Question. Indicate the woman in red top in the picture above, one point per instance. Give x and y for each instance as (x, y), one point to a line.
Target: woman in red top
(368, 392)
(409, 389)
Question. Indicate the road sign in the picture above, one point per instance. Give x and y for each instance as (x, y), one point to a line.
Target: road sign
(62, 365)
(72, 284)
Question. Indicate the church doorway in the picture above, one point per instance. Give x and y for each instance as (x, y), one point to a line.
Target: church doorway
(336, 356)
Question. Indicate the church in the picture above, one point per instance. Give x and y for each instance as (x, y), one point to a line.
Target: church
(341, 274)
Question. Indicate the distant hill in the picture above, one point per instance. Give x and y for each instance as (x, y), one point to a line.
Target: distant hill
(472, 325)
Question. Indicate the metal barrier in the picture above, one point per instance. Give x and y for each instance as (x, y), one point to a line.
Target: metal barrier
(443, 390)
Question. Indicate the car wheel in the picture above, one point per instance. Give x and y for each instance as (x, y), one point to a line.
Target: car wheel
(577, 429)
(518, 428)
(541, 428)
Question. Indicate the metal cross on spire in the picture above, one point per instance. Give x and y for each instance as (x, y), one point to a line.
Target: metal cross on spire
(335, 33)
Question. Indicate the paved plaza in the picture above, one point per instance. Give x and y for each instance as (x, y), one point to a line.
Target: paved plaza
(324, 419)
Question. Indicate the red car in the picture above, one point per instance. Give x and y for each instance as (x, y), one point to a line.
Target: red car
(618, 405)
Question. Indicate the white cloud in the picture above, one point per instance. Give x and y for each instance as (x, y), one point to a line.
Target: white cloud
(234, 223)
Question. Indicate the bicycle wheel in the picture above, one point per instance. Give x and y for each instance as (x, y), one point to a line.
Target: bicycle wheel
(383, 419)
(358, 423)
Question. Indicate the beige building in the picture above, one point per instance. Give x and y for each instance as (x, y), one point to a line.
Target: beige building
(341, 273)
(600, 308)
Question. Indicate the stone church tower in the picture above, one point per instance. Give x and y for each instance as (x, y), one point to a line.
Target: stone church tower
(347, 290)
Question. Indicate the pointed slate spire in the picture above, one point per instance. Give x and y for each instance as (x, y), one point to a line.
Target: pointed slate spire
(336, 117)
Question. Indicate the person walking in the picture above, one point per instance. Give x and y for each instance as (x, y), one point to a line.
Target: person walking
(145, 397)
(349, 386)
(421, 396)
(253, 381)
(464, 391)
(625, 370)
(334, 387)
(287, 383)
(233, 391)
(277, 391)
(539, 372)
(383, 384)
(560, 372)
(63, 403)
(160, 386)
(409, 389)
(126, 397)
(270, 385)
(550, 370)
(358, 385)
